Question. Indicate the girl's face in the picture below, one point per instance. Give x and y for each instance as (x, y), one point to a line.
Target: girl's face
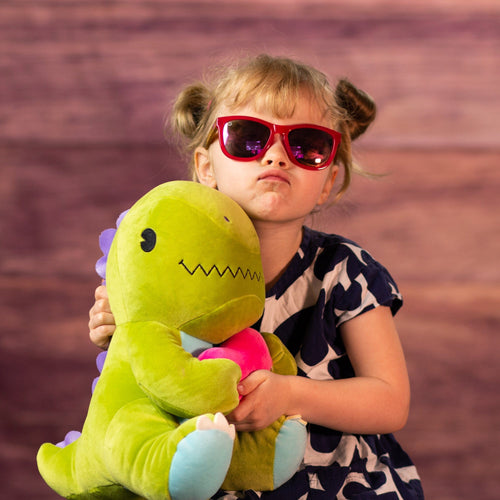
(271, 188)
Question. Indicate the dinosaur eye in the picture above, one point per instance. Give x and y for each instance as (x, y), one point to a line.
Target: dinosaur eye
(226, 219)
(149, 240)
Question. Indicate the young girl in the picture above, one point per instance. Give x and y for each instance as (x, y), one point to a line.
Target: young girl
(272, 134)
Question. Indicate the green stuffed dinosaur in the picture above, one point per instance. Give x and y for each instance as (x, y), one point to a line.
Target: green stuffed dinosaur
(183, 273)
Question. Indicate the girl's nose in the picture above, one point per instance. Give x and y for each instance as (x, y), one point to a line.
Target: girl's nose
(276, 154)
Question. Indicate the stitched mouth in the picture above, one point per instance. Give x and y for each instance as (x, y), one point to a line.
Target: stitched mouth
(247, 274)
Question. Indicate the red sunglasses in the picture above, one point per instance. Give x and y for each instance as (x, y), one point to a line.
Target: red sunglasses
(244, 138)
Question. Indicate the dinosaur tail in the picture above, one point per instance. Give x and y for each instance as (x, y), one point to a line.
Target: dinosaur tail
(57, 467)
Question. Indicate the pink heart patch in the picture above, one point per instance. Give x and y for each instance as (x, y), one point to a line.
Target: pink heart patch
(247, 348)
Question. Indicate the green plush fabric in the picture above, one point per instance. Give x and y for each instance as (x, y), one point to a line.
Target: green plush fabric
(185, 258)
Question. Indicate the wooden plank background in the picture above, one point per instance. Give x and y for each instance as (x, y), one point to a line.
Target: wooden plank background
(84, 89)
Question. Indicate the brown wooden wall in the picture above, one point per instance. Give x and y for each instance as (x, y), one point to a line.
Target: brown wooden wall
(84, 89)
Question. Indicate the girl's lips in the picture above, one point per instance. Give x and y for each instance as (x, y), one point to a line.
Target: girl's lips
(274, 175)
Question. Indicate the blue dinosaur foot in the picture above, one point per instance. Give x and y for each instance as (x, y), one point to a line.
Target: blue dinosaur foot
(289, 449)
(202, 459)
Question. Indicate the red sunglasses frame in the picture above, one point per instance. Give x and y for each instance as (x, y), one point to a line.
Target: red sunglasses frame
(283, 131)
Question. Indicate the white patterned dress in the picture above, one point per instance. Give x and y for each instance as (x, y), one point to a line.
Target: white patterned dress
(329, 281)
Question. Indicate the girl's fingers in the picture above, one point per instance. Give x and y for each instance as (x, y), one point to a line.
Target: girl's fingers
(101, 336)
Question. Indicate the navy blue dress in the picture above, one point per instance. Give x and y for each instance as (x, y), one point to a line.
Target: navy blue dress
(329, 281)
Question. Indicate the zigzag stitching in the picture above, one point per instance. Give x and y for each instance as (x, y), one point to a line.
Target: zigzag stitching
(244, 274)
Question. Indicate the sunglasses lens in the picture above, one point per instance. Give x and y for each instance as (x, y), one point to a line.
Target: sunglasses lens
(311, 147)
(245, 138)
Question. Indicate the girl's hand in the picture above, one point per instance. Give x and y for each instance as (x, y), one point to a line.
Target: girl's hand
(374, 401)
(102, 322)
(264, 400)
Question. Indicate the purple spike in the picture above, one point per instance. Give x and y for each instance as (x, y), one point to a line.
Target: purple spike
(70, 437)
(100, 267)
(99, 361)
(120, 218)
(105, 241)
(101, 358)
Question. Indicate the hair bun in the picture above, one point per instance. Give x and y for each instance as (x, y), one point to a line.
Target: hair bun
(189, 109)
(359, 107)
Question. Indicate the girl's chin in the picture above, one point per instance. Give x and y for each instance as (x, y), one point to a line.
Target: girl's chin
(266, 205)
(272, 206)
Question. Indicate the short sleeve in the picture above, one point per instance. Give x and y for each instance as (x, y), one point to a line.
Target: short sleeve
(363, 284)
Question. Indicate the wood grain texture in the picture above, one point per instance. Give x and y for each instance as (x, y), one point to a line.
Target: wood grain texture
(84, 90)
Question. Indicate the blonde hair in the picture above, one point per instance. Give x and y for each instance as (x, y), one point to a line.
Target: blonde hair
(273, 84)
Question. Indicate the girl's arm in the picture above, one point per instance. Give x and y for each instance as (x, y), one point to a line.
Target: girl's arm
(375, 401)
(102, 322)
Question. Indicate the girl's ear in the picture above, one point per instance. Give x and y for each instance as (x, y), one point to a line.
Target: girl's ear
(203, 166)
(327, 187)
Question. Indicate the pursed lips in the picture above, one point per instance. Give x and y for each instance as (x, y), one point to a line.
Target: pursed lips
(274, 175)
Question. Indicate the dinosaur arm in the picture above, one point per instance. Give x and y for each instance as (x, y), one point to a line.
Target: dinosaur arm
(175, 380)
(283, 361)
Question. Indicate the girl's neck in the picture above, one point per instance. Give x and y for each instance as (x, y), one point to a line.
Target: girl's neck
(279, 242)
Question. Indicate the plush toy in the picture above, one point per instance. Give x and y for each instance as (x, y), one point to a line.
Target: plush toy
(185, 282)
